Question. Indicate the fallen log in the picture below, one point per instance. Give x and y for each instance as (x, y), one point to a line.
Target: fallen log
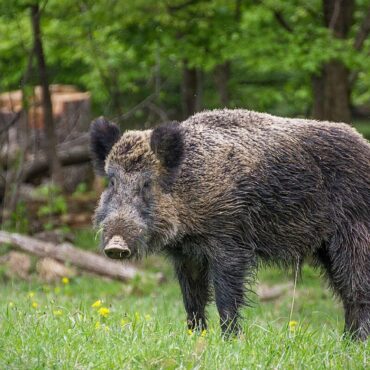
(76, 155)
(66, 252)
(40, 166)
(269, 293)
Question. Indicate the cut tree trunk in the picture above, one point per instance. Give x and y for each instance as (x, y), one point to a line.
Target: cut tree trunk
(66, 252)
(51, 144)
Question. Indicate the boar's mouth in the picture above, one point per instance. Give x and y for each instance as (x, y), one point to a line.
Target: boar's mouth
(117, 248)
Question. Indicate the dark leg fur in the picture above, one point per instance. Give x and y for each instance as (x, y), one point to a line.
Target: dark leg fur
(347, 262)
(229, 294)
(194, 282)
(229, 278)
(357, 320)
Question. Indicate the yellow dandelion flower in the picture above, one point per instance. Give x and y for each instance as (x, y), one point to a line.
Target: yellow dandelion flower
(97, 303)
(35, 304)
(103, 311)
(65, 280)
(31, 294)
(57, 312)
(292, 325)
(190, 332)
(204, 333)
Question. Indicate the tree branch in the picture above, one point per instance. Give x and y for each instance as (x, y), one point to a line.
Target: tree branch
(335, 15)
(238, 12)
(11, 123)
(175, 8)
(282, 21)
(363, 32)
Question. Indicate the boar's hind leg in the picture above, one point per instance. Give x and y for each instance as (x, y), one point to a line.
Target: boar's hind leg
(194, 282)
(357, 316)
(347, 261)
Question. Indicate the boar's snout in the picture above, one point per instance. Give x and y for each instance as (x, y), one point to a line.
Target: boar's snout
(117, 248)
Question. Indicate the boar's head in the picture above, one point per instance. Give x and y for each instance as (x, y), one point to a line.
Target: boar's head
(138, 212)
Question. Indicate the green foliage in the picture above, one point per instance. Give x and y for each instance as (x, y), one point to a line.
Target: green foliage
(56, 202)
(364, 128)
(124, 51)
(86, 239)
(81, 188)
(18, 220)
(57, 205)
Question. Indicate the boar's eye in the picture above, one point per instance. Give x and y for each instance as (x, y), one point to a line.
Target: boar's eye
(146, 185)
(112, 182)
(143, 188)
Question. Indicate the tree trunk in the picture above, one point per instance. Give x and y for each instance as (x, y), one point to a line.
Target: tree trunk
(331, 87)
(191, 90)
(49, 125)
(221, 78)
(331, 91)
(222, 72)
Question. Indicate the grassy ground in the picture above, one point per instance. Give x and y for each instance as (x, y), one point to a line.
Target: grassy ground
(55, 326)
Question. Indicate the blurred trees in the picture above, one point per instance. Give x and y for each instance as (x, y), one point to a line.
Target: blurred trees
(148, 61)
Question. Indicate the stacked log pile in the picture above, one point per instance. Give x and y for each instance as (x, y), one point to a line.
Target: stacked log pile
(23, 140)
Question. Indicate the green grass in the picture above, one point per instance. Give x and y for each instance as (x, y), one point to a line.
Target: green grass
(146, 328)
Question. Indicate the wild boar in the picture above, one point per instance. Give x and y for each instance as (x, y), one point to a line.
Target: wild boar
(226, 189)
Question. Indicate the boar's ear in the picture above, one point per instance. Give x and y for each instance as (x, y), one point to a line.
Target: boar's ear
(167, 143)
(103, 135)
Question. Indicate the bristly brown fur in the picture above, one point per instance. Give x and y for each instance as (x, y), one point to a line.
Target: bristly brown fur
(226, 189)
(132, 151)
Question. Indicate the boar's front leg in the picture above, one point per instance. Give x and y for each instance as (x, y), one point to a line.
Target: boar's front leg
(194, 282)
(229, 272)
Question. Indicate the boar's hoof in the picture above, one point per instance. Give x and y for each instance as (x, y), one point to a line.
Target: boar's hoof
(117, 248)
